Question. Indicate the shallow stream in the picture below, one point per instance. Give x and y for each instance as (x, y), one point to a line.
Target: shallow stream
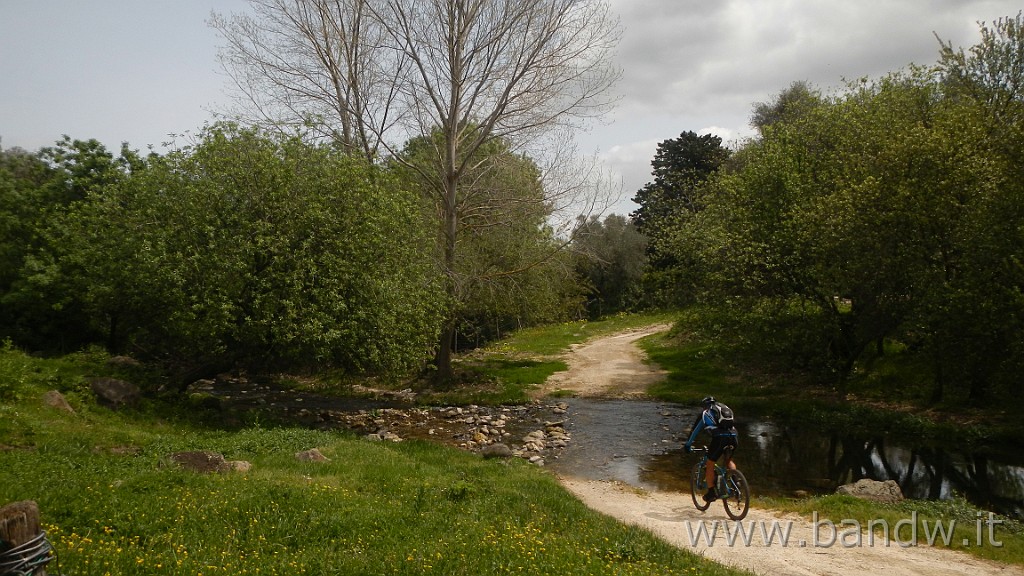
(640, 442)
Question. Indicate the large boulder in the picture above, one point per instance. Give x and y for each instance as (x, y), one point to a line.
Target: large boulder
(56, 400)
(887, 492)
(206, 462)
(311, 455)
(113, 392)
(202, 461)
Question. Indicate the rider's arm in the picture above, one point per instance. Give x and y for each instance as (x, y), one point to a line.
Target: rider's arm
(697, 427)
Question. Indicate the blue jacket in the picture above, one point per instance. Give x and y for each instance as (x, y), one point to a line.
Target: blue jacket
(707, 421)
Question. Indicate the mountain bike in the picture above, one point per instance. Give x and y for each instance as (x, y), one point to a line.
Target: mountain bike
(731, 485)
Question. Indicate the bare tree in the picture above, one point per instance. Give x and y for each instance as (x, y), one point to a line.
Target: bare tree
(317, 67)
(470, 71)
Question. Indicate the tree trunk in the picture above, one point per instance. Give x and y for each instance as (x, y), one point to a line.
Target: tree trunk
(443, 358)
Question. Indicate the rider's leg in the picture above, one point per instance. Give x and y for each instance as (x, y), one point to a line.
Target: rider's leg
(709, 475)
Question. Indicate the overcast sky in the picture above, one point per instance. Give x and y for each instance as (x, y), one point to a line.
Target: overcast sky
(139, 70)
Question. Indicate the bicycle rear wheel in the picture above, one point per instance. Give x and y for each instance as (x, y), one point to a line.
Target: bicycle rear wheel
(697, 488)
(737, 502)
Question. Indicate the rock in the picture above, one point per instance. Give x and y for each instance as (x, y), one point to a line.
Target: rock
(240, 466)
(887, 492)
(56, 400)
(124, 362)
(201, 386)
(311, 455)
(113, 392)
(497, 450)
(204, 400)
(202, 461)
(535, 436)
(384, 435)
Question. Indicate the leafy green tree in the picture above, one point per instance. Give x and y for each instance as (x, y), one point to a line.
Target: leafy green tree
(840, 220)
(891, 211)
(978, 308)
(990, 74)
(788, 106)
(245, 249)
(45, 184)
(23, 177)
(681, 166)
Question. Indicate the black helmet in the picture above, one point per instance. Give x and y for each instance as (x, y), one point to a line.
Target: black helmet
(708, 401)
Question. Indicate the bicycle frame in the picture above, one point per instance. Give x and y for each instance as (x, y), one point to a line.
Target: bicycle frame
(719, 473)
(730, 485)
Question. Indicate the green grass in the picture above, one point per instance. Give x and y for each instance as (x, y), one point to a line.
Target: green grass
(110, 505)
(555, 339)
(885, 395)
(697, 368)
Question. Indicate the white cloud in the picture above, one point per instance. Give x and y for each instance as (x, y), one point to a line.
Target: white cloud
(136, 71)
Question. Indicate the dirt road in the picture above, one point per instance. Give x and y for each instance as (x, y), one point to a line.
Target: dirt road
(614, 366)
(608, 367)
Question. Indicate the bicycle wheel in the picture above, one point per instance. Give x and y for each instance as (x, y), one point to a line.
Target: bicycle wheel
(697, 488)
(738, 500)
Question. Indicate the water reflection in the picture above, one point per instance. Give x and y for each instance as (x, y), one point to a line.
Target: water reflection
(639, 442)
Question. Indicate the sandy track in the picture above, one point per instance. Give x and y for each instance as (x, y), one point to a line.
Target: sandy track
(610, 366)
(614, 366)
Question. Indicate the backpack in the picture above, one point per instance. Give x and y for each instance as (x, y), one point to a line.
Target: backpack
(723, 416)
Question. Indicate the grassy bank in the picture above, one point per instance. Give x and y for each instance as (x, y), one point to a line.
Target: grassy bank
(112, 505)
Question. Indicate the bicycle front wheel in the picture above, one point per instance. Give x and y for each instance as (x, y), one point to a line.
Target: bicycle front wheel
(737, 502)
(697, 488)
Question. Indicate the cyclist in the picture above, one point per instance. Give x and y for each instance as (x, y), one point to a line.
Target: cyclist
(717, 419)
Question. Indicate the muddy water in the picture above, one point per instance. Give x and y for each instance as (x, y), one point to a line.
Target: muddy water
(640, 442)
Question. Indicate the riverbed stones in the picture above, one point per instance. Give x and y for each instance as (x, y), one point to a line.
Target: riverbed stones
(471, 427)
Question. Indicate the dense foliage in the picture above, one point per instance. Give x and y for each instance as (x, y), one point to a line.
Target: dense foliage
(240, 249)
(887, 218)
